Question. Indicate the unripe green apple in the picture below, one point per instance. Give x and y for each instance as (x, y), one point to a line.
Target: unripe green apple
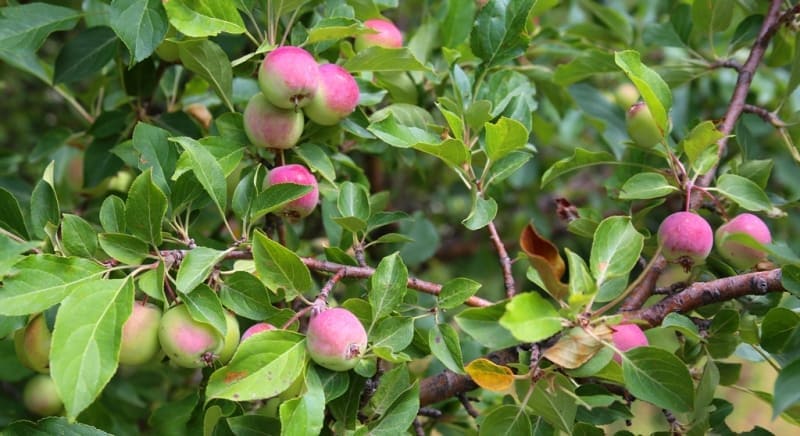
(188, 343)
(32, 344)
(336, 97)
(271, 127)
(672, 273)
(168, 50)
(642, 127)
(297, 174)
(289, 77)
(231, 338)
(685, 238)
(626, 95)
(41, 397)
(626, 337)
(388, 35)
(140, 335)
(257, 328)
(737, 254)
(336, 339)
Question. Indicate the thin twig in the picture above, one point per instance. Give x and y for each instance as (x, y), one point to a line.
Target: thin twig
(765, 115)
(505, 261)
(467, 405)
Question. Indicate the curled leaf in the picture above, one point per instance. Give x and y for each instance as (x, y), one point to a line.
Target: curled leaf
(577, 346)
(546, 260)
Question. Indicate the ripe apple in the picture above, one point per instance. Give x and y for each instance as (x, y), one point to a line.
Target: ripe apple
(685, 238)
(642, 127)
(737, 254)
(336, 97)
(188, 343)
(336, 339)
(297, 174)
(388, 35)
(41, 397)
(626, 337)
(257, 328)
(289, 77)
(32, 344)
(140, 335)
(269, 126)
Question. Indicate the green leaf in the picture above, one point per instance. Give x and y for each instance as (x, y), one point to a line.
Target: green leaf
(112, 214)
(145, 209)
(616, 22)
(11, 215)
(316, 159)
(456, 291)
(199, 18)
(279, 267)
(651, 86)
(264, 366)
(123, 247)
(155, 152)
(712, 15)
(378, 59)
(398, 418)
(395, 333)
(333, 28)
(554, 400)
(43, 280)
(503, 137)
(581, 285)
(744, 192)
(483, 211)
(700, 146)
(196, 267)
(244, 294)
(84, 55)
(78, 236)
(777, 327)
(393, 130)
(786, 392)
(204, 306)
(353, 201)
(506, 420)
(10, 253)
(304, 415)
(615, 249)
(588, 63)
(506, 166)
(51, 426)
(481, 323)
(452, 151)
(684, 325)
(86, 340)
(444, 345)
(141, 25)
(580, 159)
(658, 377)
(207, 59)
(207, 170)
(275, 197)
(531, 318)
(645, 186)
(498, 33)
(44, 208)
(387, 285)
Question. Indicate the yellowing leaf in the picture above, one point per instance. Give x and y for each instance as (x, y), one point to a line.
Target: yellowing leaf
(577, 347)
(489, 375)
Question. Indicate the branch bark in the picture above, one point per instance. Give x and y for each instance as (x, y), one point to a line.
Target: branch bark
(505, 261)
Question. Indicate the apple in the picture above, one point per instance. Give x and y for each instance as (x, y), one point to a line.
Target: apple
(140, 335)
(40, 396)
(685, 238)
(626, 337)
(289, 77)
(257, 328)
(387, 35)
(32, 344)
(626, 95)
(336, 339)
(336, 97)
(297, 174)
(231, 338)
(188, 343)
(642, 127)
(269, 126)
(737, 254)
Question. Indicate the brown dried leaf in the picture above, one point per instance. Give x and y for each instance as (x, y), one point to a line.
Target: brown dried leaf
(577, 346)
(546, 260)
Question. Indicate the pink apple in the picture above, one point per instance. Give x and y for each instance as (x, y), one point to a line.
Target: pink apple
(140, 335)
(388, 35)
(257, 328)
(336, 339)
(740, 255)
(626, 337)
(336, 97)
(271, 127)
(297, 174)
(289, 77)
(685, 238)
(188, 343)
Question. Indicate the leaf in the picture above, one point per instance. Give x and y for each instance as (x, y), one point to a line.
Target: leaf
(777, 328)
(588, 63)
(196, 267)
(506, 420)
(545, 259)
(51, 426)
(353, 201)
(453, 152)
(444, 345)
(497, 34)
(399, 417)
(786, 392)
(580, 159)
(112, 214)
(651, 86)
(490, 375)
(554, 400)
(455, 291)
(615, 21)
(506, 166)
(43, 280)
(78, 236)
(279, 267)
(123, 247)
(84, 55)
(481, 323)
(316, 159)
(504, 137)
(581, 285)
(145, 209)
(207, 170)
(387, 285)
(700, 142)
(334, 28)
(199, 18)
(207, 59)
(86, 340)
(264, 365)
(658, 377)
(645, 186)
(11, 215)
(482, 213)
(141, 25)
(246, 296)
(615, 249)
(531, 318)
(381, 59)
(44, 208)
(394, 333)
(744, 192)
(275, 197)
(304, 415)
(155, 152)
(712, 15)
(576, 347)
(204, 306)
(390, 129)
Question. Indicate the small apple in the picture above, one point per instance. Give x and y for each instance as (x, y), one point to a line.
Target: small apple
(257, 328)
(32, 344)
(188, 343)
(737, 254)
(388, 35)
(40, 396)
(231, 338)
(289, 77)
(642, 127)
(685, 238)
(297, 174)
(269, 126)
(336, 339)
(626, 337)
(626, 95)
(672, 273)
(140, 335)
(336, 97)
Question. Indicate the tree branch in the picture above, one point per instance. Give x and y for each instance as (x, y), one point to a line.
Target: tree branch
(644, 289)
(505, 261)
(765, 115)
(448, 384)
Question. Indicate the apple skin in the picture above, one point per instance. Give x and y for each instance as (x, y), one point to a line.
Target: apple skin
(41, 397)
(388, 35)
(685, 238)
(626, 337)
(298, 174)
(672, 273)
(336, 339)
(32, 345)
(642, 127)
(231, 338)
(188, 343)
(140, 335)
(257, 328)
(269, 126)
(289, 77)
(626, 95)
(336, 97)
(740, 255)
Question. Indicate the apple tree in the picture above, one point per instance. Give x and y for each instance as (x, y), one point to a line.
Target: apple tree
(380, 217)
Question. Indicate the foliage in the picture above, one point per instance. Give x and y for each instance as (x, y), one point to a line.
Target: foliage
(483, 213)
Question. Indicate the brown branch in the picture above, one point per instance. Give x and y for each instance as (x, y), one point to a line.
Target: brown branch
(644, 289)
(467, 405)
(765, 115)
(726, 63)
(505, 261)
(703, 293)
(448, 384)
